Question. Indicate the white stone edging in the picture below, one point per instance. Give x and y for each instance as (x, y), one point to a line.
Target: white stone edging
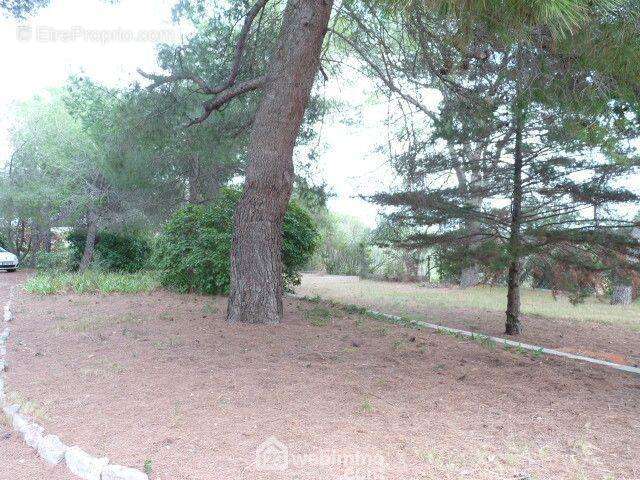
(49, 447)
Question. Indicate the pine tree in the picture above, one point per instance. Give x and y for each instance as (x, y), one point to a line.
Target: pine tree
(537, 124)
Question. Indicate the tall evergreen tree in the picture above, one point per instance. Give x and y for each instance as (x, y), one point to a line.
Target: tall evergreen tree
(529, 121)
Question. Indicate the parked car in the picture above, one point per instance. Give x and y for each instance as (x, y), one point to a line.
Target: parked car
(8, 261)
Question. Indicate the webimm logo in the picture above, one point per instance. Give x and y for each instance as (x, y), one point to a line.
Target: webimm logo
(272, 456)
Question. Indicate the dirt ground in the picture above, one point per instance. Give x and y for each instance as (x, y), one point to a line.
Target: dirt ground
(612, 342)
(17, 461)
(162, 380)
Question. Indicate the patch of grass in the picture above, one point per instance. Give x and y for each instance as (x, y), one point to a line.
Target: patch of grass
(209, 309)
(538, 353)
(171, 342)
(412, 298)
(318, 316)
(88, 324)
(355, 309)
(382, 331)
(148, 467)
(367, 406)
(28, 407)
(92, 282)
(82, 325)
(432, 457)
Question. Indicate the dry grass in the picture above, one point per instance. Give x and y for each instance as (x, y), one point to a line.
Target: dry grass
(404, 298)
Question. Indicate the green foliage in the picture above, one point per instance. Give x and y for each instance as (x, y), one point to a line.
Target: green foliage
(148, 467)
(344, 245)
(490, 256)
(21, 9)
(318, 315)
(92, 282)
(115, 251)
(194, 249)
(59, 261)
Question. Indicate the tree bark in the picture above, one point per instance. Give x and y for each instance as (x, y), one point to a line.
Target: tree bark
(256, 255)
(513, 325)
(90, 242)
(470, 276)
(622, 294)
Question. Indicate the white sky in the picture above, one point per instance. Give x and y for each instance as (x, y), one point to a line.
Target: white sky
(33, 62)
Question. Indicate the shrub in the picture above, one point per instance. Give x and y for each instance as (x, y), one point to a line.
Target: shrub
(115, 251)
(54, 261)
(193, 251)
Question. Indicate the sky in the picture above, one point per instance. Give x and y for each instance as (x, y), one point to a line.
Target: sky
(109, 42)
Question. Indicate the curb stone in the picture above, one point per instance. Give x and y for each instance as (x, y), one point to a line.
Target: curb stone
(49, 447)
(33, 435)
(84, 465)
(118, 472)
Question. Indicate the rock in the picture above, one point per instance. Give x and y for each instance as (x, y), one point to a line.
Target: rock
(10, 411)
(4, 336)
(84, 465)
(20, 423)
(33, 434)
(51, 449)
(118, 472)
(7, 313)
(3, 365)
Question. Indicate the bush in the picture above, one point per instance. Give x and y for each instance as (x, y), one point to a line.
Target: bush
(193, 251)
(91, 282)
(115, 251)
(59, 261)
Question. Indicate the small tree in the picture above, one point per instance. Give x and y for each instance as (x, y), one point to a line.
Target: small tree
(531, 125)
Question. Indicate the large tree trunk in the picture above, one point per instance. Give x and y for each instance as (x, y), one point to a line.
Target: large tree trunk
(513, 325)
(470, 276)
(90, 242)
(622, 294)
(256, 254)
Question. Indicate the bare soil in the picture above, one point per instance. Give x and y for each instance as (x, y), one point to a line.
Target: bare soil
(17, 461)
(162, 379)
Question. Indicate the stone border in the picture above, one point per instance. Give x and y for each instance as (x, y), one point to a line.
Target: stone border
(498, 340)
(49, 447)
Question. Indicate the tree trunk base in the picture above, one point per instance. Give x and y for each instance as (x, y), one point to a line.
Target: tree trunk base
(622, 295)
(469, 277)
(513, 327)
(256, 281)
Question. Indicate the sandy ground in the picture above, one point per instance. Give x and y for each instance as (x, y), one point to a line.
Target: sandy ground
(17, 461)
(161, 379)
(614, 342)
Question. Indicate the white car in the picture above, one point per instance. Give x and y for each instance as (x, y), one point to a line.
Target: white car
(8, 261)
